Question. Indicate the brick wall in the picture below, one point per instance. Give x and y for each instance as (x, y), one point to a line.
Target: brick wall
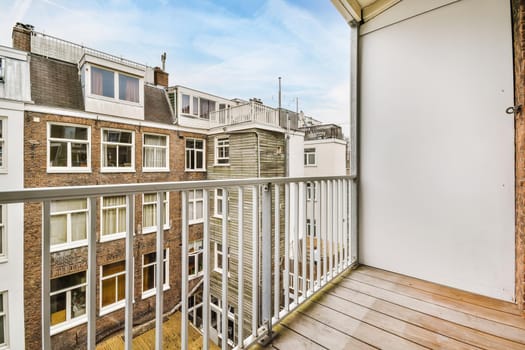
(518, 14)
(161, 77)
(75, 260)
(21, 38)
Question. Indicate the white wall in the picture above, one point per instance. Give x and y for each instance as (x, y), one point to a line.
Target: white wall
(437, 149)
(12, 269)
(330, 158)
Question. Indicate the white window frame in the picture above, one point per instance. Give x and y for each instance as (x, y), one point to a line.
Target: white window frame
(222, 143)
(4, 314)
(166, 149)
(311, 190)
(166, 203)
(122, 232)
(69, 168)
(307, 153)
(70, 322)
(217, 308)
(310, 226)
(118, 304)
(3, 144)
(194, 152)
(116, 169)
(150, 292)
(217, 202)
(198, 251)
(69, 243)
(3, 232)
(116, 87)
(193, 202)
(218, 257)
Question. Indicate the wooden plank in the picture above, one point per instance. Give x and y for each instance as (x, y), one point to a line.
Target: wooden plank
(476, 310)
(392, 325)
(442, 290)
(434, 324)
(322, 334)
(288, 339)
(347, 325)
(484, 325)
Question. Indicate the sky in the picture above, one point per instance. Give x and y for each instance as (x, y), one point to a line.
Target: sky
(230, 48)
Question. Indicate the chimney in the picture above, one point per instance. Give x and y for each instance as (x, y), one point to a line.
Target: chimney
(22, 36)
(160, 77)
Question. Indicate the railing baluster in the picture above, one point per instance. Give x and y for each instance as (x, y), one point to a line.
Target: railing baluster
(46, 275)
(159, 273)
(286, 275)
(337, 224)
(296, 247)
(317, 228)
(184, 270)
(92, 275)
(277, 245)
(353, 226)
(312, 236)
(346, 231)
(206, 277)
(240, 295)
(330, 231)
(324, 228)
(303, 235)
(255, 255)
(225, 269)
(130, 275)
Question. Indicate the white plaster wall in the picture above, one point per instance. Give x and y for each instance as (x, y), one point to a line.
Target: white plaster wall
(437, 149)
(330, 158)
(12, 270)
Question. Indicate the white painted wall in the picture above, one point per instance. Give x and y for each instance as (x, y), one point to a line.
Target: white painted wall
(437, 149)
(12, 269)
(330, 158)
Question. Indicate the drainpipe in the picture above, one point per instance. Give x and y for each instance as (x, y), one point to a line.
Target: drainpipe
(354, 136)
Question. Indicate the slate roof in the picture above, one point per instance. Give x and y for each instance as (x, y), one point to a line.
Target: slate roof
(55, 83)
(156, 105)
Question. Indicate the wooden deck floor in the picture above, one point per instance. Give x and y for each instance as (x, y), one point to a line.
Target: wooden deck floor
(375, 309)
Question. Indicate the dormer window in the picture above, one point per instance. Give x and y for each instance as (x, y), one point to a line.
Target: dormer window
(103, 84)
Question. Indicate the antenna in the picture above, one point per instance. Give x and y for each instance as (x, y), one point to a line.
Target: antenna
(163, 60)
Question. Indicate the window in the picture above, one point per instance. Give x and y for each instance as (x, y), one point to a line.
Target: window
(3, 134)
(311, 191)
(185, 105)
(216, 320)
(113, 219)
(155, 150)
(69, 223)
(3, 321)
(194, 154)
(149, 211)
(309, 156)
(206, 106)
(128, 88)
(222, 150)
(195, 308)
(311, 228)
(218, 258)
(195, 259)
(149, 268)
(3, 235)
(68, 301)
(102, 82)
(117, 150)
(195, 206)
(112, 286)
(219, 194)
(195, 106)
(68, 147)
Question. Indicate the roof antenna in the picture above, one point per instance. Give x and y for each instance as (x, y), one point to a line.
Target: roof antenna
(163, 60)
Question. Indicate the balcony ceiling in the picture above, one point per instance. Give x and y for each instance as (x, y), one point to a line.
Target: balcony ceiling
(362, 10)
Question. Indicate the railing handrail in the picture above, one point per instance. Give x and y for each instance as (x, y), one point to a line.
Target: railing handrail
(249, 111)
(55, 193)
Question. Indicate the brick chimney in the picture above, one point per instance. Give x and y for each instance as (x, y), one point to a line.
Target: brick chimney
(22, 36)
(160, 77)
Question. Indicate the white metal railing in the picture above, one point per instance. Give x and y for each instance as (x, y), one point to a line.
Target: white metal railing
(266, 222)
(248, 112)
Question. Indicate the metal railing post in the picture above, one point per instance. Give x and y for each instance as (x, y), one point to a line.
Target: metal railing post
(130, 275)
(159, 275)
(92, 275)
(267, 256)
(184, 270)
(46, 275)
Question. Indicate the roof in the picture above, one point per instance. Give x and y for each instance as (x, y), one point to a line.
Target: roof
(156, 105)
(55, 83)
(362, 10)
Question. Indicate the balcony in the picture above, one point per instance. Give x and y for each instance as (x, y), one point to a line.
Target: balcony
(249, 112)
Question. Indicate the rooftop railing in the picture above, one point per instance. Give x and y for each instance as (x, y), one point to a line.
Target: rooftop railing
(281, 240)
(248, 112)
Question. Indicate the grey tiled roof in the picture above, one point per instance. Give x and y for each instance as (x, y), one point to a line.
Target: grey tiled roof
(156, 105)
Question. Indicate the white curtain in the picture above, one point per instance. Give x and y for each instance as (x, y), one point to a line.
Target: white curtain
(113, 215)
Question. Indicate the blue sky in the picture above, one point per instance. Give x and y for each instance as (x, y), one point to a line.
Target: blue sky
(228, 48)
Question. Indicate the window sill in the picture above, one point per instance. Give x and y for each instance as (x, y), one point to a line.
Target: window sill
(66, 246)
(112, 237)
(155, 170)
(149, 293)
(147, 230)
(59, 328)
(195, 170)
(310, 165)
(117, 170)
(194, 222)
(112, 308)
(3, 259)
(52, 170)
(222, 164)
(192, 277)
(3, 171)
